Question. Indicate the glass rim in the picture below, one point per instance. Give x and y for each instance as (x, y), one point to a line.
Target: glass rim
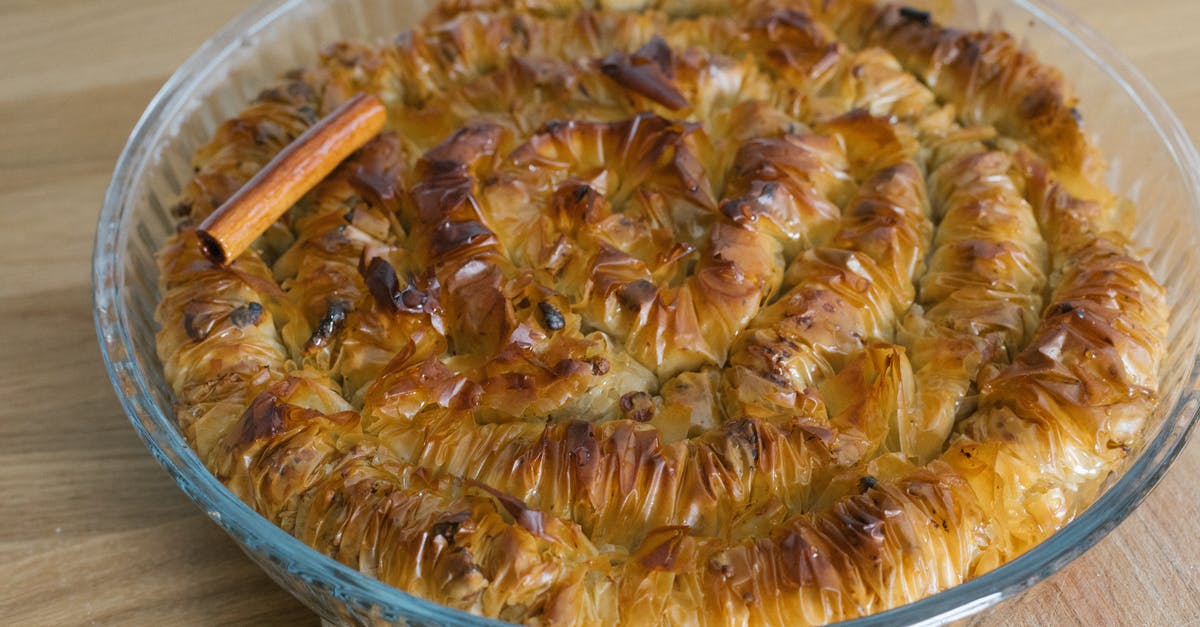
(162, 437)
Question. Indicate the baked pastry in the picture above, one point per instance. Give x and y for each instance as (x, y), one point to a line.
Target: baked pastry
(686, 312)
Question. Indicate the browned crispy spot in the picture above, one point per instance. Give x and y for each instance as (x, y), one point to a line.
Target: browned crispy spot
(529, 519)
(384, 286)
(648, 72)
(637, 406)
(637, 294)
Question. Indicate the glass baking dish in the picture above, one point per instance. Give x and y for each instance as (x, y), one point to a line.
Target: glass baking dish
(1151, 161)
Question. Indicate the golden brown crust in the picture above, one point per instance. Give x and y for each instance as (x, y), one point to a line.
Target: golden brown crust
(703, 312)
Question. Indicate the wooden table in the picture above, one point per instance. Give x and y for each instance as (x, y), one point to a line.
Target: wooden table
(93, 531)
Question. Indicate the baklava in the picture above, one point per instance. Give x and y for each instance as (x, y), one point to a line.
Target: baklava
(678, 312)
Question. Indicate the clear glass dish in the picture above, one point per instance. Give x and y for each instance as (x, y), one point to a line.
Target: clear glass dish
(1152, 162)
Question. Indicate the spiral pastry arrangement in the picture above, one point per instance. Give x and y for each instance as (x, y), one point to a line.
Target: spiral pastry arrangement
(680, 312)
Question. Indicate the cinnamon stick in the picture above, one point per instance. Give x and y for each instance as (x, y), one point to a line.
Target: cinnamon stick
(286, 178)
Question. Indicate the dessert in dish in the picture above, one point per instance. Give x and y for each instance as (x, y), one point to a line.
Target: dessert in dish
(688, 313)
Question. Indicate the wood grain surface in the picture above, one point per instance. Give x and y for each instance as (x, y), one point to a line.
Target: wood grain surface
(92, 531)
